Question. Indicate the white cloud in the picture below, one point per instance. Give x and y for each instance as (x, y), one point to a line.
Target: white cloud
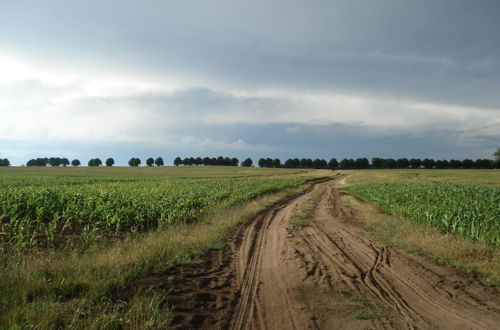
(36, 106)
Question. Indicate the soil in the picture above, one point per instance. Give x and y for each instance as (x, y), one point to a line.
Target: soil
(328, 274)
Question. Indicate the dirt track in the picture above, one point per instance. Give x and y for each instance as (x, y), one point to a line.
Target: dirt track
(327, 275)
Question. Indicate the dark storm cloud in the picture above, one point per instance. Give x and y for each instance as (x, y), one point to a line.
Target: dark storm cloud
(445, 51)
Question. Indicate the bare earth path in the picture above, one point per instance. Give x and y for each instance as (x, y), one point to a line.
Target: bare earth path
(327, 275)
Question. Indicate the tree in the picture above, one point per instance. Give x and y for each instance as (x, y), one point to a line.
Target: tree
(496, 154)
(177, 161)
(31, 162)
(134, 162)
(65, 162)
(333, 163)
(262, 162)
(415, 163)
(428, 163)
(377, 162)
(389, 163)
(95, 162)
(361, 163)
(320, 164)
(467, 163)
(402, 163)
(4, 162)
(55, 161)
(110, 162)
(455, 163)
(150, 161)
(234, 161)
(159, 161)
(276, 163)
(344, 164)
(247, 162)
(74, 162)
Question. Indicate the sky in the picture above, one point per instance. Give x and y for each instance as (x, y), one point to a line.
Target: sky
(279, 79)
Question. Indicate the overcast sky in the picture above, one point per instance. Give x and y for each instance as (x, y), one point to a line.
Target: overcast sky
(122, 79)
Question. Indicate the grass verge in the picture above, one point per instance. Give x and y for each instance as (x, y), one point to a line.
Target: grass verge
(302, 214)
(86, 290)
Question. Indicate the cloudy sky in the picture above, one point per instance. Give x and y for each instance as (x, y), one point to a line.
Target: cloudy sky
(122, 79)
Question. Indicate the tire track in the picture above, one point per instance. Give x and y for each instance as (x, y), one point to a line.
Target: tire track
(330, 274)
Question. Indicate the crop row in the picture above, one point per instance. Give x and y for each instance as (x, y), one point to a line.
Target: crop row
(30, 215)
(465, 210)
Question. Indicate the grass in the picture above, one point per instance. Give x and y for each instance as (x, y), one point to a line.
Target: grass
(369, 310)
(301, 215)
(470, 177)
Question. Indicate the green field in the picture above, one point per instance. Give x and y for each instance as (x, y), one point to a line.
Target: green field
(470, 177)
(469, 211)
(72, 238)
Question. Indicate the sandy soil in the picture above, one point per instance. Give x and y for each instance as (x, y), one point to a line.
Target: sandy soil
(327, 275)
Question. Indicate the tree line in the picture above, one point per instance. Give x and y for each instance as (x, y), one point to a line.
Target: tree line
(306, 163)
(94, 162)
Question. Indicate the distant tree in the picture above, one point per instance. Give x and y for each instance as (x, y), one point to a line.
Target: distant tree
(402, 163)
(333, 163)
(428, 163)
(150, 161)
(441, 164)
(55, 161)
(288, 163)
(377, 162)
(344, 164)
(207, 161)
(276, 163)
(234, 161)
(97, 162)
(31, 162)
(455, 163)
(415, 163)
(91, 162)
(42, 161)
(177, 161)
(64, 162)
(198, 161)
(110, 162)
(75, 162)
(496, 154)
(320, 164)
(467, 163)
(484, 163)
(262, 162)
(159, 161)
(247, 162)
(361, 163)
(389, 163)
(134, 162)
(4, 162)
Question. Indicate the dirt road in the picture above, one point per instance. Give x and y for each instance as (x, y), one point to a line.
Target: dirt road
(326, 273)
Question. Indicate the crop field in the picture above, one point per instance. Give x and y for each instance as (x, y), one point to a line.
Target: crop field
(470, 211)
(47, 210)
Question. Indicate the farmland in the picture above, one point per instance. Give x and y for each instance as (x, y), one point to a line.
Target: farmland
(469, 211)
(35, 213)
(109, 247)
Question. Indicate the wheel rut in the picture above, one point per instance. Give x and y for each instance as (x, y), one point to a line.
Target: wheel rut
(328, 274)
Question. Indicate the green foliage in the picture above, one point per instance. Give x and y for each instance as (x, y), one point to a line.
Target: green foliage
(39, 210)
(465, 210)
